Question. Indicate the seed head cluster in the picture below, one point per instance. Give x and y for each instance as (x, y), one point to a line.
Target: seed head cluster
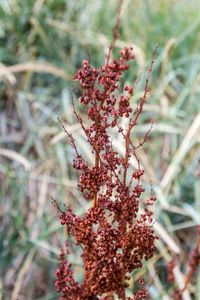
(115, 235)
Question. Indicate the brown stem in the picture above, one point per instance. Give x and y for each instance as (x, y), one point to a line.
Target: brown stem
(96, 150)
(188, 277)
(115, 31)
(69, 136)
(97, 166)
(126, 153)
(138, 114)
(124, 291)
(144, 97)
(124, 296)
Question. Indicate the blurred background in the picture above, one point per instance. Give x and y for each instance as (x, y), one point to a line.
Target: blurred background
(42, 43)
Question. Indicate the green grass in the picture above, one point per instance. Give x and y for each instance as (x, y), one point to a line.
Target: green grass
(35, 157)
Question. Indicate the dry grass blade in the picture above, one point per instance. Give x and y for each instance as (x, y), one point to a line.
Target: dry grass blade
(158, 283)
(22, 272)
(36, 67)
(178, 275)
(17, 157)
(180, 281)
(1, 288)
(50, 179)
(181, 226)
(10, 77)
(163, 234)
(42, 198)
(185, 146)
(166, 55)
(46, 246)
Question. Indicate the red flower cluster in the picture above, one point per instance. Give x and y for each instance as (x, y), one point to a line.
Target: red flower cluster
(116, 237)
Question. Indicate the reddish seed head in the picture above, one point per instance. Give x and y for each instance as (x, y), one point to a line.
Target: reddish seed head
(114, 237)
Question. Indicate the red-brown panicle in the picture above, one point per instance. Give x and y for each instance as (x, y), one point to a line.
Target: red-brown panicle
(116, 237)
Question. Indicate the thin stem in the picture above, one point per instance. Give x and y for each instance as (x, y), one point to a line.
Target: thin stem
(81, 122)
(191, 271)
(126, 153)
(96, 148)
(96, 166)
(69, 136)
(115, 31)
(124, 291)
(146, 90)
